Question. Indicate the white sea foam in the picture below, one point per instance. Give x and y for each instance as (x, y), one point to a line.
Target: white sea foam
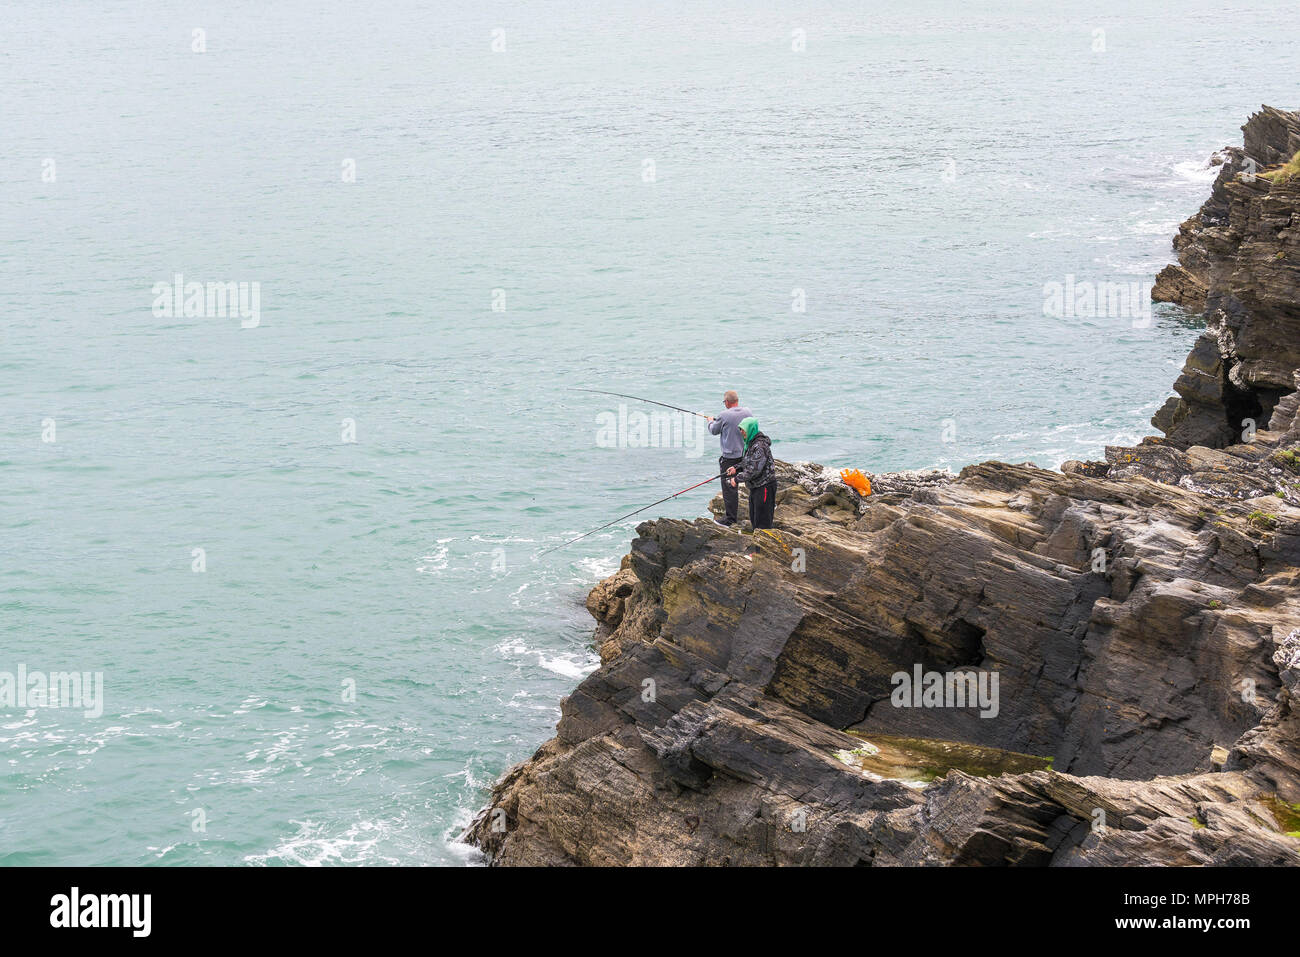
(600, 567)
(434, 562)
(1195, 171)
(511, 647)
(569, 665)
(312, 846)
(463, 853)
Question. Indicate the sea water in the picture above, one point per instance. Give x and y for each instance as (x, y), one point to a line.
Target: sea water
(303, 553)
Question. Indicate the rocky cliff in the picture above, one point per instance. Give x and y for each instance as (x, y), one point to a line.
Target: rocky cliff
(1239, 262)
(1007, 666)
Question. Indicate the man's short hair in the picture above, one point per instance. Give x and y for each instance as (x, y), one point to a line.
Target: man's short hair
(729, 397)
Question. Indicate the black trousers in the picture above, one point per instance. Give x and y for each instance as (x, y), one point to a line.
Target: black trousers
(730, 494)
(762, 505)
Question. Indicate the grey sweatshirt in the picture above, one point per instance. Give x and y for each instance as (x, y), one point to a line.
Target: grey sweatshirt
(728, 425)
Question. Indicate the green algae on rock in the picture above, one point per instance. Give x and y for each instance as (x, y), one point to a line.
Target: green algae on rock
(924, 760)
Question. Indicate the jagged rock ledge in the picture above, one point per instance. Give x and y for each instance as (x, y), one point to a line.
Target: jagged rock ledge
(1141, 616)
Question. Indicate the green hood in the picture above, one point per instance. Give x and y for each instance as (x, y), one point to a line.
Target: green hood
(749, 429)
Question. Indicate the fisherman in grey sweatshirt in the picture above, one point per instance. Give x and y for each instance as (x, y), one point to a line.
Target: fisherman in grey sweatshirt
(727, 425)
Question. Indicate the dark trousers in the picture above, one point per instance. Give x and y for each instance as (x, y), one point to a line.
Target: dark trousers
(730, 494)
(762, 505)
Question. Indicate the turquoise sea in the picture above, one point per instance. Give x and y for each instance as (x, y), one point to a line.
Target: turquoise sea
(456, 215)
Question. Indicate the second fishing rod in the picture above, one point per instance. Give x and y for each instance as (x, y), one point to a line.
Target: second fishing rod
(638, 511)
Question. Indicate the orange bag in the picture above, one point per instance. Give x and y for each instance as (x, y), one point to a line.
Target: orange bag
(855, 480)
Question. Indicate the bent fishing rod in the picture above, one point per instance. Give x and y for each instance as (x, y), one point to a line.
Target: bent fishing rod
(630, 514)
(676, 408)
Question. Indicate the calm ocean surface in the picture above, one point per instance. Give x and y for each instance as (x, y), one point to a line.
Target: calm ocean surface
(646, 193)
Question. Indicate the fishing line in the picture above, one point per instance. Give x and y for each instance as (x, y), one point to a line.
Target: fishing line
(630, 514)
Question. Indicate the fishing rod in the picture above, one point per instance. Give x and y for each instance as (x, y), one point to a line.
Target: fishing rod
(630, 514)
(638, 398)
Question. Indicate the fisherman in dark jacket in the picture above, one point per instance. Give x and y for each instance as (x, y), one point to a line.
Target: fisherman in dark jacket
(758, 471)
